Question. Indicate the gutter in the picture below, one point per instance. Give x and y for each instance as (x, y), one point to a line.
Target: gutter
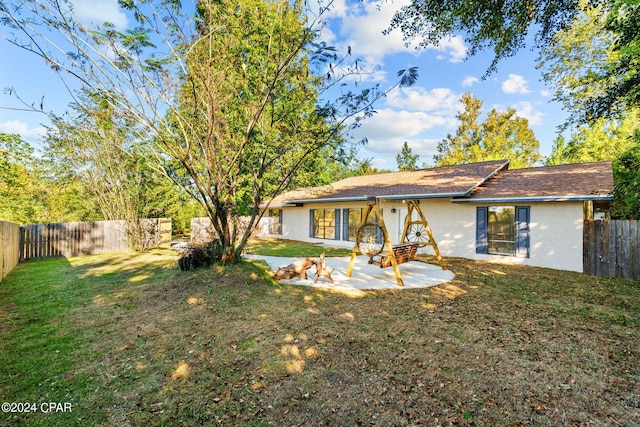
(373, 198)
(534, 199)
(300, 202)
(424, 196)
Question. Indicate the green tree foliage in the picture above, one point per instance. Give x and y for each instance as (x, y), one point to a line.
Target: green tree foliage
(406, 160)
(593, 64)
(626, 173)
(500, 25)
(465, 145)
(17, 181)
(621, 74)
(503, 135)
(603, 140)
(505, 25)
(102, 151)
(577, 61)
(33, 190)
(235, 101)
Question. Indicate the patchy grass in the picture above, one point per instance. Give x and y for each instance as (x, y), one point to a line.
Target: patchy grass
(128, 339)
(292, 248)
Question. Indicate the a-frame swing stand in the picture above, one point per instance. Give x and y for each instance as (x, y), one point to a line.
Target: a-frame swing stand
(416, 233)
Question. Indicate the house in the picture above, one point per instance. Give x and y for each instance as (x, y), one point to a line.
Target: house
(482, 211)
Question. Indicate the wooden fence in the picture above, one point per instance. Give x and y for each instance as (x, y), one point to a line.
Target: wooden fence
(202, 230)
(612, 248)
(9, 247)
(39, 241)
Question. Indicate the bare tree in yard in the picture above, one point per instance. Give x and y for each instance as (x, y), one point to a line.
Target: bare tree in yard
(239, 96)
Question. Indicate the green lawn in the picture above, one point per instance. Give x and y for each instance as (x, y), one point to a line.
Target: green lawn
(128, 339)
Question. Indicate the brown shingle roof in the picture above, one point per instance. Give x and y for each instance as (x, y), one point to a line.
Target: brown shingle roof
(468, 183)
(578, 181)
(445, 181)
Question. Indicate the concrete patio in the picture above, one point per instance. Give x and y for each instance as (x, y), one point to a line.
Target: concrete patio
(365, 276)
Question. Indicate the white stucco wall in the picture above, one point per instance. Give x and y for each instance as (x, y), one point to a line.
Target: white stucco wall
(555, 230)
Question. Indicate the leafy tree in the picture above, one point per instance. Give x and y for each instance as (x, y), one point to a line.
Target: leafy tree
(508, 136)
(16, 180)
(626, 173)
(576, 60)
(464, 146)
(503, 135)
(32, 191)
(604, 140)
(238, 97)
(103, 150)
(500, 25)
(505, 25)
(621, 75)
(406, 160)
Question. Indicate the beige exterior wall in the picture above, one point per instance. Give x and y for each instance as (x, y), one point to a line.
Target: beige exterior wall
(555, 230)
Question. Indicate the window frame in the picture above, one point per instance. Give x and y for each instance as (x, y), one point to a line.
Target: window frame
(500, 233)
(521, 231)
(273, 229)
(324, 227)
(347, 225)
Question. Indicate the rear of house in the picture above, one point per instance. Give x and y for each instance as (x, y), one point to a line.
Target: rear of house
(482, 211)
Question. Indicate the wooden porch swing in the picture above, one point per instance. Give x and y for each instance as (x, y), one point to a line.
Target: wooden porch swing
(373, 238)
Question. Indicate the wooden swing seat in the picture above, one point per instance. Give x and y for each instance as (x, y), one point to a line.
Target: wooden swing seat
(404, 252)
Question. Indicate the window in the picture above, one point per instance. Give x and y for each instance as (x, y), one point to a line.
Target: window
(503, 230)
(275, 225)
(324, 223)
(351, 220)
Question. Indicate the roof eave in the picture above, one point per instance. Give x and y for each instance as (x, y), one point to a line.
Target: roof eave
(373, 198)
(300, 202)
(424, 196)
(534, 199)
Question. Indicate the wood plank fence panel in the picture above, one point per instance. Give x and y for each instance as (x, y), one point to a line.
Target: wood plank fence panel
(202, 229)
(38, 241)
(9, 247)
(612, 248)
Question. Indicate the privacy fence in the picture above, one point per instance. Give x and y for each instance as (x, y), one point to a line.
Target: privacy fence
(202, 230)
(10, 247)
(612, 248)
(38, 241)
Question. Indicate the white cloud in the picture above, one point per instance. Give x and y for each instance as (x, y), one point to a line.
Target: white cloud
(454, 47)
(361, 26)
(17, 127)
(387, 130)
(383, 155)
(98, 12)
(515, 84)
(469, 81)
(525, 109)
(443, 101)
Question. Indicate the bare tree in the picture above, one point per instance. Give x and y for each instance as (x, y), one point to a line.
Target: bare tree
(240, 94)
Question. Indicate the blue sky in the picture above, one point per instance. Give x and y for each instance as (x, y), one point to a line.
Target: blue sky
(421, 115)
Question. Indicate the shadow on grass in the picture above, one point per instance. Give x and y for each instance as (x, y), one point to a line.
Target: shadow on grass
(134, 341)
